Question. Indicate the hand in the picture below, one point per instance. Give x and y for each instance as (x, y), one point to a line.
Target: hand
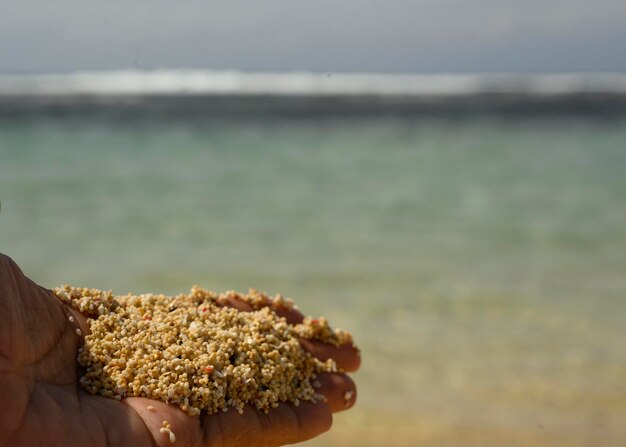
(41, 402)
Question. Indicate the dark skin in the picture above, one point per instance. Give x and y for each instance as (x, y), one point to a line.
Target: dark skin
(42, 403)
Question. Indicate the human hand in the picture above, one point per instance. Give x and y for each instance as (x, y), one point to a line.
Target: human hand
(43, 404)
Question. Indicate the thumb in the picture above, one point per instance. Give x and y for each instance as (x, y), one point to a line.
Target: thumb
(33, 323)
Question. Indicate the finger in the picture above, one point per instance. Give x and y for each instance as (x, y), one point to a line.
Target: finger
(33, 303)
(339, 390)
(285, 424)
(347, 356)
(292, 315)
(186, 429)
(76, 320)
(238, 304)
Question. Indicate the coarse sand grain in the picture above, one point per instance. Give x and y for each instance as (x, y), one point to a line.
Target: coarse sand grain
(195, 351)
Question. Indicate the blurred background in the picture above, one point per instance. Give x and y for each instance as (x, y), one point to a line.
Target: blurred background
(445, 179)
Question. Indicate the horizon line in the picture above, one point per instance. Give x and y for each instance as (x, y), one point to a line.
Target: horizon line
(305, 83)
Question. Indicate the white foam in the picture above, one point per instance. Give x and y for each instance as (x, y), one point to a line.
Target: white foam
(194, 82)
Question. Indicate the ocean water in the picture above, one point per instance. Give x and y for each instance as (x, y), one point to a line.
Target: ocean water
(479, 260)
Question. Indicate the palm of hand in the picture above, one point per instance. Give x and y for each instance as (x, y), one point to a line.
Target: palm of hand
(42, 403)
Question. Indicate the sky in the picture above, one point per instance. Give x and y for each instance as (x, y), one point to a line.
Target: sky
(389, 36)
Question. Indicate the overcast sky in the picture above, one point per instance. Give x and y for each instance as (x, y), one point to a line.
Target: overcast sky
(419, 36)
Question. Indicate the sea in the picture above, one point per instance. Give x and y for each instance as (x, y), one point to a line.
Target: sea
(469, 230)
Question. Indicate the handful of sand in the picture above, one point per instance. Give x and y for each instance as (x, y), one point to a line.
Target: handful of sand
(193, 351)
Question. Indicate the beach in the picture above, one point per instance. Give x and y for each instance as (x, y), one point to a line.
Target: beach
(477, 258)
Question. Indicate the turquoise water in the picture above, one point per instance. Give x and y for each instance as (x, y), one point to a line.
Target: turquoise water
(479, 262)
